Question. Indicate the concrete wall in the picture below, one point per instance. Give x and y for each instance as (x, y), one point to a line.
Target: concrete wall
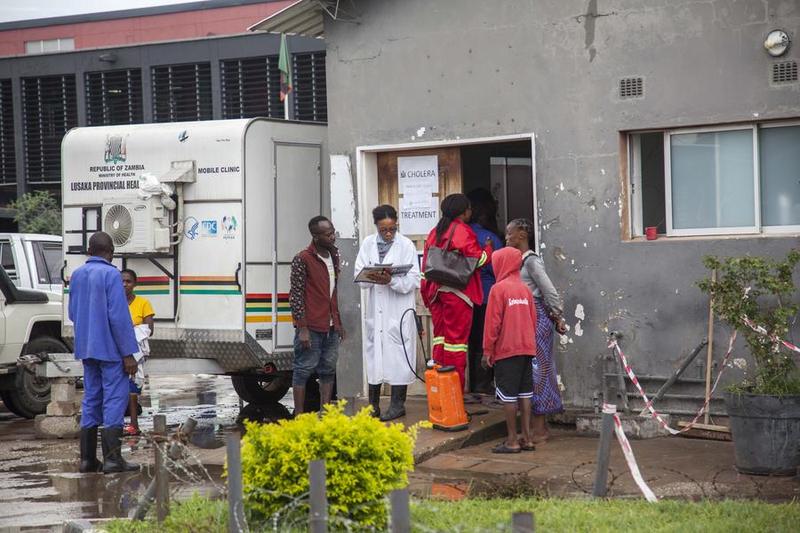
(476, 68)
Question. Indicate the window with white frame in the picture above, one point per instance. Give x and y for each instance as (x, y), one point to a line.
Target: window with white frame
(45, 46)
(728, 180)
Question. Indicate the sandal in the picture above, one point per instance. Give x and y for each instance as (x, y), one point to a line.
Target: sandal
(503, 448)
(129, 430)
(472, 399)
(526, 446)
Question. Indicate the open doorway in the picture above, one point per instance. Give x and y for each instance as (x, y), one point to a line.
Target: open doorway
(503, 165)
(506, 170)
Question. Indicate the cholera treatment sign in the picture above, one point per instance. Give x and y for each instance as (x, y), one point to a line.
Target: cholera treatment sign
(418, 181)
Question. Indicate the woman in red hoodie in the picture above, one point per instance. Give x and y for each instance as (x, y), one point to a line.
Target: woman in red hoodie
(451, 308)
(509, 345)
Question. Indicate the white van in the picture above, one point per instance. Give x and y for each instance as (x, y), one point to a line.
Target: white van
(211, 232)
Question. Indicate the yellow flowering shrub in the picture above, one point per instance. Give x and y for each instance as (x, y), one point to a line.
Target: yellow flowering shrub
(365, 459)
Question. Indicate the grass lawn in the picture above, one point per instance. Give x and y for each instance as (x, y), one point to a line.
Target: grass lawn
(199, 515)
(613, 515)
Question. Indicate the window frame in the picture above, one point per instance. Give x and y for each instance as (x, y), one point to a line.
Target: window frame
(693, 232)
(42, 272)
(10, 245)
(58, 41)
(634, 182)
(778, 230)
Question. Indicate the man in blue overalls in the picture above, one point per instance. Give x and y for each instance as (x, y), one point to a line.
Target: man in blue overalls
(105, 342)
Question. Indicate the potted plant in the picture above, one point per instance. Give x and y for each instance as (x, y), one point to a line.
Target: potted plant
(764, 409)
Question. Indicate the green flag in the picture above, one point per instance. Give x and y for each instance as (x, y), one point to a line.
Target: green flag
(285, 66)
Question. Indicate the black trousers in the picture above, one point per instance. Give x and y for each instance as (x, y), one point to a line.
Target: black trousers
(480, 379)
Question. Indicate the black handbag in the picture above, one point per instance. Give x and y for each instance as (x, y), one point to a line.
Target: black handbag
(449, 267)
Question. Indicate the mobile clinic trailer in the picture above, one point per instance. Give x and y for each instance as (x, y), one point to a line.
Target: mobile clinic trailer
(209, 215)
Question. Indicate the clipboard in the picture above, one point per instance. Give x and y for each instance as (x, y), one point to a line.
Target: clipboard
(394, 270)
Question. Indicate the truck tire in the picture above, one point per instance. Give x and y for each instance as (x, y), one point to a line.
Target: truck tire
(31, 394)
(6, 397)
(262, 389)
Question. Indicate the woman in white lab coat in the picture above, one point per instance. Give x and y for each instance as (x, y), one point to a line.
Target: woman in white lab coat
(387, 298)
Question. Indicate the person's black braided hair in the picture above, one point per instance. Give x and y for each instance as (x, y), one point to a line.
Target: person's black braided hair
(527, 226)
(452, 206)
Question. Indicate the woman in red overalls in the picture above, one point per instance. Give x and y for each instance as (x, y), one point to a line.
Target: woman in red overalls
(451, 309)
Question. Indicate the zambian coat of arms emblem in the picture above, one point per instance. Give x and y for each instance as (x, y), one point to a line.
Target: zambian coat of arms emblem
(115, 149)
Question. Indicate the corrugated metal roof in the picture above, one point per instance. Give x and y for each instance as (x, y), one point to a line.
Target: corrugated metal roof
(304, 17)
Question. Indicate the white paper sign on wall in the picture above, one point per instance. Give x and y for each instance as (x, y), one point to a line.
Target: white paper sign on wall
(418, 219)
(418, 180)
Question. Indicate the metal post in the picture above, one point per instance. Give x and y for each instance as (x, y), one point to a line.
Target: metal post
(186, 429)
(174, 453)
(236, 522)
(603, 451)
(677, 374)
(623, 388)
(162, 476)
(318, 517)
(522, 523)
(401, 514)
(710, 351)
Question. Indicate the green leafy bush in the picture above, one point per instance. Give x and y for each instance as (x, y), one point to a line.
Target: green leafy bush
(38, 212)
(762, 290)
(365, 459)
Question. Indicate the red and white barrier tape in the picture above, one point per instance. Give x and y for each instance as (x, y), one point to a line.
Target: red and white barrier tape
(774, 338)
(612, 344)
(627, 451)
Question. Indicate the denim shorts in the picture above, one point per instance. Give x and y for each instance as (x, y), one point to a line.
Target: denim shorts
(320, 358)
(133, 388)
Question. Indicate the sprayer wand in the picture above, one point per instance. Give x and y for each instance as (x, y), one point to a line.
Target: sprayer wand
(420, 331)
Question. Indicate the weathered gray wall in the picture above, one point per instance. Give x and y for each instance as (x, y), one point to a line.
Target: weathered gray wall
(475, 68)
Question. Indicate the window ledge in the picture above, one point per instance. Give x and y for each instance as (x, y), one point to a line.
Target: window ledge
(689, 238)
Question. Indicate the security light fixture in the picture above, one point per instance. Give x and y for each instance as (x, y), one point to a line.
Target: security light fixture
(777, 43)
(108, 57)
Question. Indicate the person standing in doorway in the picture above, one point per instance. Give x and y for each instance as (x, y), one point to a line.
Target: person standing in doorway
(390, 345)
(315, 313)
(451, 308)
(105, 343)
(546, 396)
(143, 318)
(484, 224)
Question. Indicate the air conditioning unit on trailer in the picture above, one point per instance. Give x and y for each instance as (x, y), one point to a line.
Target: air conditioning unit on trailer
(137, 226)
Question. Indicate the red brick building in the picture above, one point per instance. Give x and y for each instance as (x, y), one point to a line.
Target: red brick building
(185, 62)
(131, 26)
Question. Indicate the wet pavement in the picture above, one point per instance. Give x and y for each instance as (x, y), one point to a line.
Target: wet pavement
(40, 488)
(39, 484)
(565, 466)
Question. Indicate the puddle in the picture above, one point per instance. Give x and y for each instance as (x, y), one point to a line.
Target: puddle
(39, 483)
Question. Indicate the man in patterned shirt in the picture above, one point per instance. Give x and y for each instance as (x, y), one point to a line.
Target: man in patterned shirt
(315, 313)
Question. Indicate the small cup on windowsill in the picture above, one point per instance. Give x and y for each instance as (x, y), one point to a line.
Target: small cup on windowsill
(651, 232)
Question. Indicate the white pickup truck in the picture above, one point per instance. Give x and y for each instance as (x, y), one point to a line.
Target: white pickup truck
(30, 320)
(32, 261)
